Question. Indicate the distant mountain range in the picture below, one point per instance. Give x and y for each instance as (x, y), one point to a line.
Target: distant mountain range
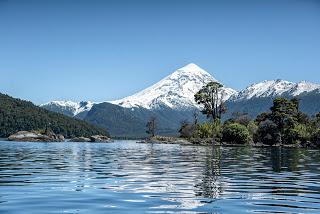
(171, 100)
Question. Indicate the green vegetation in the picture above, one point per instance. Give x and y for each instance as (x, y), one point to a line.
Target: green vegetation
(285, 124)
(236, 133)
(17, 115)
(211, 100)
(209, 96)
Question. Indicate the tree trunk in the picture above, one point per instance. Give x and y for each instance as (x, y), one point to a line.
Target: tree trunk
(213, 134)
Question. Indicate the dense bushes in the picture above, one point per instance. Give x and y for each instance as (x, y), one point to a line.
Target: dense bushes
(267, 132)
(17, 115)
(209, 130)
(315, 137)
(236, 133)
(283, 125)
(297, 134)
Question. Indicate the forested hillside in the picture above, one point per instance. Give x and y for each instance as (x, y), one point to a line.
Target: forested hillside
(17, 115)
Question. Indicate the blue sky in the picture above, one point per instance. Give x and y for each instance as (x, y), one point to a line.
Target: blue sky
(104, 50)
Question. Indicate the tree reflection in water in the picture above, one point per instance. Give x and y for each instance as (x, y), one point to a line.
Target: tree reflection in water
(210, 185)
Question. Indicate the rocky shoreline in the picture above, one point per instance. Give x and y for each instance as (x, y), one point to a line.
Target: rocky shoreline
(49, 136)
(33, 136)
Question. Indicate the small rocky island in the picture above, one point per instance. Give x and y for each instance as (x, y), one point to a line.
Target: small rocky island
(34, 136)
(92, 139)
(50, 136)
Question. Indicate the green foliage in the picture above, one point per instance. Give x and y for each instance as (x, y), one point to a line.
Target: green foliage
(268, 132)
(297, 134)
(263, 117)
(253, 129)
(284, 112)
(204, 130)
(17, 115)
(315, 137)
(285, 124)
(209, 130)
(236, 133)
(209, 97)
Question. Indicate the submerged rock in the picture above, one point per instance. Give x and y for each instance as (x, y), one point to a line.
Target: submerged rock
(31, 136)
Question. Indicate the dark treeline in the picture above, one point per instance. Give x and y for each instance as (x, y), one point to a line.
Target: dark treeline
(284, 124)
(17, 115)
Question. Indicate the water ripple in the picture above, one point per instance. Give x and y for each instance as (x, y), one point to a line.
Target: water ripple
(124, 177)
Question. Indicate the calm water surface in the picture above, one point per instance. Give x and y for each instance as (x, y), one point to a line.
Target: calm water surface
(125, 177)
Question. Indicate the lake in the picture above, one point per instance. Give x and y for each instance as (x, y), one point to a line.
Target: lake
(127, 177)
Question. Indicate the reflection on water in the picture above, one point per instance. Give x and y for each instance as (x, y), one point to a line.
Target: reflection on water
(129, 177)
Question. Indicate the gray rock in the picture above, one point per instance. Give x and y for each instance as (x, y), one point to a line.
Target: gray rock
(80, 139)
(61, 137)
(30, 136)
(100, 139)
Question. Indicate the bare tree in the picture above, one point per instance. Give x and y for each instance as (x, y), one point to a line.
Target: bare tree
(151, 126)
(195, 117)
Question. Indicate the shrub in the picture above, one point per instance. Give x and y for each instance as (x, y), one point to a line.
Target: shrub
(208, 130)
(315, 137)
(268, 132)
(297, 134)
(253, 129)
(236, 133)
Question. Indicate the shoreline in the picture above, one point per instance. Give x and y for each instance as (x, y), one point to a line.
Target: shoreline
(182, 141)
(207, 142)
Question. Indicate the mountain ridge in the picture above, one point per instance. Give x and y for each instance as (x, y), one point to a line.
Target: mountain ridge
(68, 107)
(171, 100)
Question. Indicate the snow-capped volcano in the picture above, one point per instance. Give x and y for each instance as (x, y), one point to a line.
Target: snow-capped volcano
(175, 91)
(274, 88)
(68, 107)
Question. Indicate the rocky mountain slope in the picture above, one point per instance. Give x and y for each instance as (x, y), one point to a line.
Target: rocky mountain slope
(69, 108)
(274, 88)
(258, 97)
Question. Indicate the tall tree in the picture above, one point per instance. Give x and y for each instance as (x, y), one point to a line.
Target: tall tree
(208, 97)
(285, 115)
(284, 112)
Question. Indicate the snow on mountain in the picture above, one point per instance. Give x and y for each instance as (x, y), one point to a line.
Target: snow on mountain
(302, 87)
(69, 107)
(264, 89)
(177, 91)
(174, 91)
(273, 88)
